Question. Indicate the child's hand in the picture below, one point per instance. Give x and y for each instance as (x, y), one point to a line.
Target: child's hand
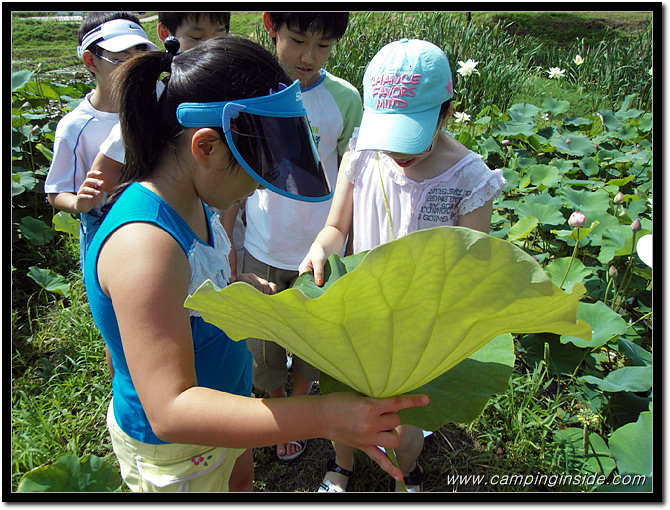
(89, 194)
(366, 423)
(261, 284)
(314, 260)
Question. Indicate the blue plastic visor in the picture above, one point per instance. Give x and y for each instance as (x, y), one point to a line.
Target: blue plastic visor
(270, 138)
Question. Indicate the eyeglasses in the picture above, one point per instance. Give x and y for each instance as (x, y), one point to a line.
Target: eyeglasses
(113, 61)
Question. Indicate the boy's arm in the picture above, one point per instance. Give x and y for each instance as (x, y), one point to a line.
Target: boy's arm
(108, 171)
(228, 221)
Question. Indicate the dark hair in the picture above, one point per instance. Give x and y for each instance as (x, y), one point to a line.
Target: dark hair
(331, 24)
(173, 20)
(219, 69)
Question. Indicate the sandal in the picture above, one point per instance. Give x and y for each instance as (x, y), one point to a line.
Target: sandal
(327, 485)
(301, 444)
(414, 478)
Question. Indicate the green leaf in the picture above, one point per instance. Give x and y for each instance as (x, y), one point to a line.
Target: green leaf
(544, 213)
(556, 270)
(20, 78)
(522, 228)
(633, 379)
(461, 393)
(638, 355)
(586, 201)
(610, 121)
(50, 280)
(36, 231)
(22, 181)
(513, 129)
(546, 175)
(574, 145)
(555, 106)
(64, 222)
(563, 358)
(411, 310)
(523, 112)
(69, 474)
(572, 440)
(631, 446)
(605, 324)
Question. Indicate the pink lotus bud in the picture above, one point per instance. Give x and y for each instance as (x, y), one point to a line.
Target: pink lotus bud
(505, 141)
(613, 272)
(618, 199)
(567, 140)
(636, 226)
(577, 220)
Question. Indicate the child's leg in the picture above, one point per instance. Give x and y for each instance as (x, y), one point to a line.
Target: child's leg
(242, 476)
(344, 457)
(409, 448)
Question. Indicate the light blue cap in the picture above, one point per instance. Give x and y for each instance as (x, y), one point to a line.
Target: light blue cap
(404, 87)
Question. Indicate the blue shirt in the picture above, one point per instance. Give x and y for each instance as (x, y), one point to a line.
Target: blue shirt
(220, 363)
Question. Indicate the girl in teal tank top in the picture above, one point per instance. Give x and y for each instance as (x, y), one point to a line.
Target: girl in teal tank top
(182, 418)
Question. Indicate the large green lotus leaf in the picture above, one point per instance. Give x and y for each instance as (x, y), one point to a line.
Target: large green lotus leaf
(631, 446)
(410, 311)
(605, 324)
(460, 394)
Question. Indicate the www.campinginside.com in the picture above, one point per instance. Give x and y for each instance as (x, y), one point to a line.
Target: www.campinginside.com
(558, 480)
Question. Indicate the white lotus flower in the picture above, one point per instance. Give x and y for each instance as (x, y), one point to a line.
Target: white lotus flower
(556, 72)
(468, 67)
(461, 117)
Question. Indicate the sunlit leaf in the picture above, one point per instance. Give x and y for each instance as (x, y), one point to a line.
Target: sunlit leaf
(411, 310)
(460, 394)
(64, 222)
(522, 228)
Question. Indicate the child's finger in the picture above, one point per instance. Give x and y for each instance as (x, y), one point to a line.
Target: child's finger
(404, 401)
(384, 462)
(318, 275)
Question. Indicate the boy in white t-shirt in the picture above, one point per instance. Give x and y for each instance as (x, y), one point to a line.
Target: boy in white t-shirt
(279, 231)
(189, 28)
(105, 40)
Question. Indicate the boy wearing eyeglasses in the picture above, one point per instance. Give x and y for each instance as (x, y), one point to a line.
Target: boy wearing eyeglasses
(105, 40)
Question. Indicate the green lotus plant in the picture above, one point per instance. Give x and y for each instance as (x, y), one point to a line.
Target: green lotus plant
(411, 309)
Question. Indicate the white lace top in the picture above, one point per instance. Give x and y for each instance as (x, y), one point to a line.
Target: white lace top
(413, 205)
(210, 261)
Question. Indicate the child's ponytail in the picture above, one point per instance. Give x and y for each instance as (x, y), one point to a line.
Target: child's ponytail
(139, 112)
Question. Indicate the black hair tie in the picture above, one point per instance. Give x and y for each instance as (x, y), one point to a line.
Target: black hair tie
(171, 49)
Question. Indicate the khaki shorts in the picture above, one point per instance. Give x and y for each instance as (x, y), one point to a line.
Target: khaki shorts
(270, 369)
(171, 467)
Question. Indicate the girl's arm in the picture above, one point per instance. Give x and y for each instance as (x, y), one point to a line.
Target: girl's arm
(479, 219)
(332, 237)
(145, 273)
